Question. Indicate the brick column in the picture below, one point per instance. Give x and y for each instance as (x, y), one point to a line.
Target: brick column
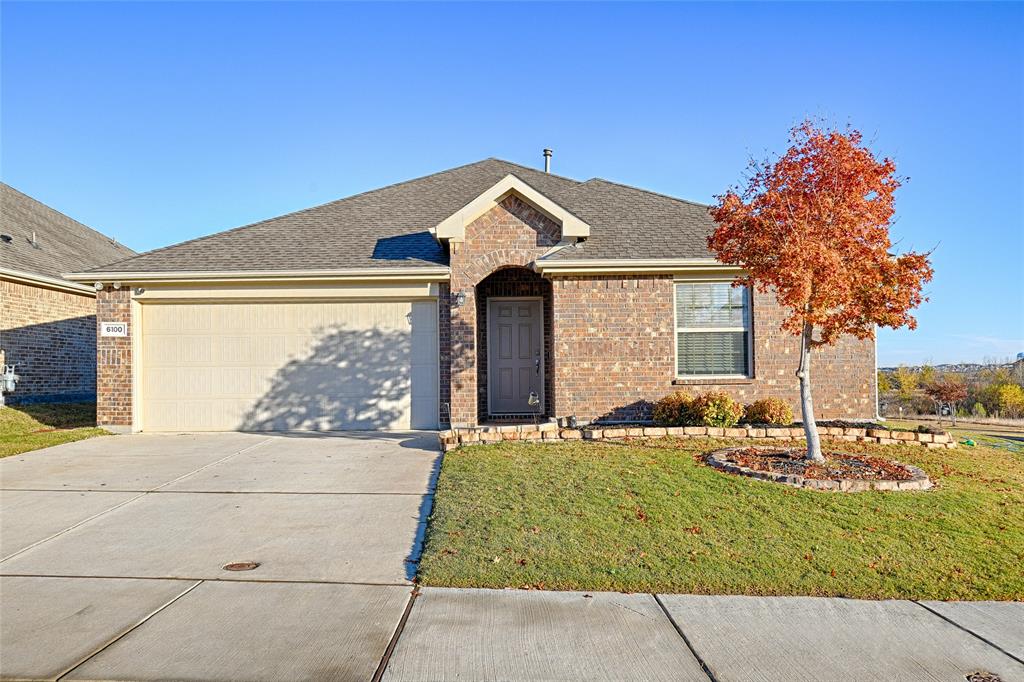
(114, 360)
(444, 336)
(463, 357)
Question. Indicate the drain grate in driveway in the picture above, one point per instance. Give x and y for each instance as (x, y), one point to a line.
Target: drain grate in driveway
(243, 566)
(983, 676)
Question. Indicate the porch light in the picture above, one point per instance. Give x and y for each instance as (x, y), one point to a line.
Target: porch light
(460, 300)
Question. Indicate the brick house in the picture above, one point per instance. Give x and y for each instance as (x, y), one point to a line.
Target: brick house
(48, 323)
(486, 292)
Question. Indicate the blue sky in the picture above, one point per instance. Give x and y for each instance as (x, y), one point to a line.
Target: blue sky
(161, 122)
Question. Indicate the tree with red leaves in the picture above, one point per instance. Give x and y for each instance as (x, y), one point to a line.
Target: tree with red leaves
(813, 227)
(946, 390)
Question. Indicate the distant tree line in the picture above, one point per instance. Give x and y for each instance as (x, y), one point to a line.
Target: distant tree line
(992, 391)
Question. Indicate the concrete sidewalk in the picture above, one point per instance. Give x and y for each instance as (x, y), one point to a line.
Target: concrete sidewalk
(460, 634)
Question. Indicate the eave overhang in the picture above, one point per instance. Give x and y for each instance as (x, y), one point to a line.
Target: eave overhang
(633, 265)
(45, 281)
(424, 274)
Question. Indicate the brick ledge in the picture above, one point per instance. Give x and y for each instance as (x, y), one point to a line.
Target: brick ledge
(550, 432)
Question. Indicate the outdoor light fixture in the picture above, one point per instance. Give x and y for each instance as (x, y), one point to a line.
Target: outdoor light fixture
(139, 291)
(98, 286)
(460, 299)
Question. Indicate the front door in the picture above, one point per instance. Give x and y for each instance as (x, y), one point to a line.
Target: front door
(515, 355)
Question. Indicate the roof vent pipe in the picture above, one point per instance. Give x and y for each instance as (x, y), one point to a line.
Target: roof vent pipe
(547, 160)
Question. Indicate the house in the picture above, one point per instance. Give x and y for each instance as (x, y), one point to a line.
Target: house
(48, 323)
(483, 293)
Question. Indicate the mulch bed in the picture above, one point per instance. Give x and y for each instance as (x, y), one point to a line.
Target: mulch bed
(836, 465)
(842, 472)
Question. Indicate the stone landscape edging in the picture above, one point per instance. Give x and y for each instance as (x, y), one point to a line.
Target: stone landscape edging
(918, 480)
(550, 432)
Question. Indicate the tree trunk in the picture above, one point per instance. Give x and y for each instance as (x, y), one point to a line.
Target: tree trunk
(806, 402)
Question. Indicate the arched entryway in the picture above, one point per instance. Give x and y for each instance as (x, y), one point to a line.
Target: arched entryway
(514, 350)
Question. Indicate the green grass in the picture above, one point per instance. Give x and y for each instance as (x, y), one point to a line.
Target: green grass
(649, 517)
(31, 427)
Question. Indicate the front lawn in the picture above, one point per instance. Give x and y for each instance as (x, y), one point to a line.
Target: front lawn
(30, 427)
(640, 517)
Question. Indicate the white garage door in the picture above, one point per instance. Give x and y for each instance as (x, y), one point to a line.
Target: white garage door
(275, 366)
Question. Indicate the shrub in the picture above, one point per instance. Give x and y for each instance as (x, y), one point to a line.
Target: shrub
(673, 409)
(979, 410)
(769, 411)
(716, 408)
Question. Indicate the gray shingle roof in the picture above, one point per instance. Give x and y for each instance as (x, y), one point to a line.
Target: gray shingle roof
(389, 227)
(64, 244)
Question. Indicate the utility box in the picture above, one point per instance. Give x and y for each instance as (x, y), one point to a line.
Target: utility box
(8, 381)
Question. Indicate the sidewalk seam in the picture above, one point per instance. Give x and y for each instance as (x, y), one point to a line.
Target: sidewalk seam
(128, 501)
(186, 578)
(72, 527)
(207, 466)
(969, 631)
(386, 658)
(686, 640)
(121, 636)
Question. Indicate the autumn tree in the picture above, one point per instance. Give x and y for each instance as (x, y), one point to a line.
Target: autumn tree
(1011, 400)
(812, 226)
(906, 383)
(884, 385)
(946, 390)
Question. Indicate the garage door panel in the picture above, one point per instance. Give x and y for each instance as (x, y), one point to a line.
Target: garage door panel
(289, 366)
(194, 349)
(164, 349)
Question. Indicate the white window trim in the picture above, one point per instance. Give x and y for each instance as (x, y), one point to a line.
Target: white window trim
(748, 328)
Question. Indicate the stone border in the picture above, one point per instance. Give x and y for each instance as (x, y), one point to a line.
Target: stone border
(918, 481)
(550, 431)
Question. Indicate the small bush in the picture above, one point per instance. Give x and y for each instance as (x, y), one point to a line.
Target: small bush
(979, 411)
(673, 409)
(716, 408)
(768, 411)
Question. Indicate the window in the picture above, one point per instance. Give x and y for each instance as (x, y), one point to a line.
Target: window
(712, 329)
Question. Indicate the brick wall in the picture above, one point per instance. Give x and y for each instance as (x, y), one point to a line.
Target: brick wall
(614, 354)
(613, 345)
(512, 234)
(113, 360)
(50, 335)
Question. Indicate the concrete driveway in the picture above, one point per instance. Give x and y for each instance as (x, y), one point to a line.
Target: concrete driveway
(100, 536)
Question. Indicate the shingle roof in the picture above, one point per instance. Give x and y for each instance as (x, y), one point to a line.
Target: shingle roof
(62, 244)
(389, 227)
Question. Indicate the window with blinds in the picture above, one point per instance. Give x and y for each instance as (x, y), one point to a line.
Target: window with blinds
(712, 329)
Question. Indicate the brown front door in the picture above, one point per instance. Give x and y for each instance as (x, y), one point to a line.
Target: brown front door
(515, 355)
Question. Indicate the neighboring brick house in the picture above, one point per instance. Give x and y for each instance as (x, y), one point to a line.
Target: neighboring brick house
(486, 292)
(48, 323)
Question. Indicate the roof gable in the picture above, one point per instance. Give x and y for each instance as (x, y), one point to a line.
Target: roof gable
(453, 227)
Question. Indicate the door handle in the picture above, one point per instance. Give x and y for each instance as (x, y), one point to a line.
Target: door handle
(536, 366)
